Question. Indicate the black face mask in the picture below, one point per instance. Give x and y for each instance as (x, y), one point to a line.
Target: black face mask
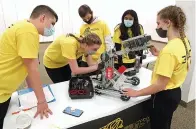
(90, 20)
(162, 33)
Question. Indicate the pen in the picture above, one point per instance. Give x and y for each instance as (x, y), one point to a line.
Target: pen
(22, 110)
(15, 112)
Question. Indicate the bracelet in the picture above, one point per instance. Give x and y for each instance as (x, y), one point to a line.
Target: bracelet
(44, 101)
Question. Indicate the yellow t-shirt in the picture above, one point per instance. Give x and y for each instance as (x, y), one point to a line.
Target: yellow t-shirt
(20, 40)
(61, 50)
(172, 63)
(116, 39)
(102, 30)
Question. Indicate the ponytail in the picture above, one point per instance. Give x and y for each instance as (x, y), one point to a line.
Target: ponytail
(89, 39)
(78, 39)
(181, 22)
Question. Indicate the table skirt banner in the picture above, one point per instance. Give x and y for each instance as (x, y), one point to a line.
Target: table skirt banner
(136, 117)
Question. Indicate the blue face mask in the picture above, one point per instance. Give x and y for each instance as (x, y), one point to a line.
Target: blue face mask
(128, 23)
(49, 31)
(91, 52)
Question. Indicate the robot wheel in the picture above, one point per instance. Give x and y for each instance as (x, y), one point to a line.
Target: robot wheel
(135, 81)
(124, 98)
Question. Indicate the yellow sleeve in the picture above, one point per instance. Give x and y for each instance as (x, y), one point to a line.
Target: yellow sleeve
(82, 30)
(106, 30)
(166, 65)
(69, 50)
(81, 33)
(116, 36)
(141, 29)
(28, 45)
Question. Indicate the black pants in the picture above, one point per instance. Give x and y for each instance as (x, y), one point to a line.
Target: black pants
(163, 104)
(3, 111)
(59, 74)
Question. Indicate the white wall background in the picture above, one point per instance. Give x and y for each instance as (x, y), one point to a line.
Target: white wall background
(191, 94)
(188, 88)
(13, 10)
(69, 20)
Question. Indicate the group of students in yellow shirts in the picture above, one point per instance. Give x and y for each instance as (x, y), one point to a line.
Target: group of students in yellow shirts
(60, 70)
(19, 46)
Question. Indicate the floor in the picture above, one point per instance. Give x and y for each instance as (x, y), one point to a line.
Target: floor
(184, 118)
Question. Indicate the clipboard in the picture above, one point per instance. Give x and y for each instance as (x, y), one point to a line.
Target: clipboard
(29, 90)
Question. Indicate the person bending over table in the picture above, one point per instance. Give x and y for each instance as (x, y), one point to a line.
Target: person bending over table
(19, 46)
(60, 58)
(170, 69)
(128, 28)
(95, 25)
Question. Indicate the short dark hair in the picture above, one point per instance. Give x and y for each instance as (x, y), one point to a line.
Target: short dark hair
(41, 9)
(84, 9)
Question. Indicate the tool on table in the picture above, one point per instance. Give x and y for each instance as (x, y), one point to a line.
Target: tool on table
(27, 109)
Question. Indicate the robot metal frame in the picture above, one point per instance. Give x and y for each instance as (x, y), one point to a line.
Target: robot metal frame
(111, 86)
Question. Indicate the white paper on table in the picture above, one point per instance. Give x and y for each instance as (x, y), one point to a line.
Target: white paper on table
(29, 99)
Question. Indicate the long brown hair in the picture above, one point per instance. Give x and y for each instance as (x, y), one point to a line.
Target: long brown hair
(178, 18)
(89, 39)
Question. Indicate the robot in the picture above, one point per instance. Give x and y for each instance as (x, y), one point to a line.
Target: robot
(108, 84)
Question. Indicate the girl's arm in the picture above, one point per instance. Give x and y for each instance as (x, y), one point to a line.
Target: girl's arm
(81, 70)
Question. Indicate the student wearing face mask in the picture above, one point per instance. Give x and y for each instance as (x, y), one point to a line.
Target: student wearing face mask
(19, 46)
(170, 69)
(128, 28)
(60, 58)
(94, 25)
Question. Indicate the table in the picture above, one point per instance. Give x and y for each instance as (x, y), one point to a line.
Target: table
(149, 59)
(99, 109)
